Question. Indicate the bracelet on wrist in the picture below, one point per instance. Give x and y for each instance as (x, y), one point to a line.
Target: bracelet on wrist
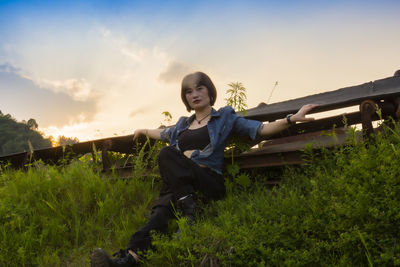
(289, 121)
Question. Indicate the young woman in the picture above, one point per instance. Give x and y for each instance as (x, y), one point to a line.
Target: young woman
(193, 161)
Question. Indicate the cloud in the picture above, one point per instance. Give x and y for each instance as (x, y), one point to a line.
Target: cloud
(175, 72)
(78, 89)
(133, 53)
(7, 67)
(24, 98)
(125, 46)
(138, 111)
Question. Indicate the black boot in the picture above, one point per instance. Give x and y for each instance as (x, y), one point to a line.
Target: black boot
(99, 258)
(187, 207)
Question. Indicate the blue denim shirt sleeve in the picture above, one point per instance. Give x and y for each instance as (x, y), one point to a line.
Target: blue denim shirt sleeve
(245, 127)
(170, 134)
(165, 135)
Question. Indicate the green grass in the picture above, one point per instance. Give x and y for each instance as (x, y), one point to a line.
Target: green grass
(342, 208)
(51, 216)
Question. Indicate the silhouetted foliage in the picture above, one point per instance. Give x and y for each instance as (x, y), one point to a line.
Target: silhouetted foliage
(32, 124)
(14, 136)
(63, 140)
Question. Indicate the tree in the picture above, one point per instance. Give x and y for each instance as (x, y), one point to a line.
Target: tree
(32, 124)
(63, 140)
(14, 136)
(236, 96)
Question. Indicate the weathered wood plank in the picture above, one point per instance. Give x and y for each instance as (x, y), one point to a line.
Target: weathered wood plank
(345, 119)
(122, 144)
(345, 97)
(269, 160)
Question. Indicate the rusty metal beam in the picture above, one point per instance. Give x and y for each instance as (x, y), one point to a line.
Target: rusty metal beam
(289, 150)
(269, 160)
(323, 138)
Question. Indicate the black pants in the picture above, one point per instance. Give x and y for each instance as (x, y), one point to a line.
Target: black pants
(180, 177)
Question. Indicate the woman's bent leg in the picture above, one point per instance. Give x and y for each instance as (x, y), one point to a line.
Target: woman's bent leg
(181, 177)
(158, 221)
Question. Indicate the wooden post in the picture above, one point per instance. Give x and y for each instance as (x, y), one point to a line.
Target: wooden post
(396, 100)
(27, 160)
(367, 109)
(396, 103)
(107, 144)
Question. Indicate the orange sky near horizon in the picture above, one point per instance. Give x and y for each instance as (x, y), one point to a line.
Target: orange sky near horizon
(92, 70)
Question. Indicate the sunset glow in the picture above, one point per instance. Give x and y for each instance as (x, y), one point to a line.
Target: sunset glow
(93, 69)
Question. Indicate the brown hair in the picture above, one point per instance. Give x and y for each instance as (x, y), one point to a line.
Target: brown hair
(197, 79)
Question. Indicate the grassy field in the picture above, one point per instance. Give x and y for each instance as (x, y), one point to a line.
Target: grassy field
(341, 208)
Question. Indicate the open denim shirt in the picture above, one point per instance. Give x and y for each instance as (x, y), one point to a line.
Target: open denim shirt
(221, 125)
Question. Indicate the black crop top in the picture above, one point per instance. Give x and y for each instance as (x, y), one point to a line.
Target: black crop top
(193, 139)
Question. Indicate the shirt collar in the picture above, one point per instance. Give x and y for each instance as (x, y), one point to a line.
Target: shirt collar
(215, 113)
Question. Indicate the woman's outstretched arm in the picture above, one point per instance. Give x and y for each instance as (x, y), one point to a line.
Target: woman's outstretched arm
(151, 133)
(280, 125)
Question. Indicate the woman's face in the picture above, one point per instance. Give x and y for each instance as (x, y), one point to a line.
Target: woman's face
(197, 97)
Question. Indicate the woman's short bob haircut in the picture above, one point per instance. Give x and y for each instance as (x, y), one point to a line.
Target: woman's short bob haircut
(194, 80)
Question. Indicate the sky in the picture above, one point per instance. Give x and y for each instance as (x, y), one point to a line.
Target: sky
(96, 69)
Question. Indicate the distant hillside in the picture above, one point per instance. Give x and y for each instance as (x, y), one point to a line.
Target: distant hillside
(14, 136)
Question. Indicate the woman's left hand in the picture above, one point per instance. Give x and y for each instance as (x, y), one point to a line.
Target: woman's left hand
(300, 116)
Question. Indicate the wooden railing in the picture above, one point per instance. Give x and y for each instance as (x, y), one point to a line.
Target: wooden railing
(284, 148)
